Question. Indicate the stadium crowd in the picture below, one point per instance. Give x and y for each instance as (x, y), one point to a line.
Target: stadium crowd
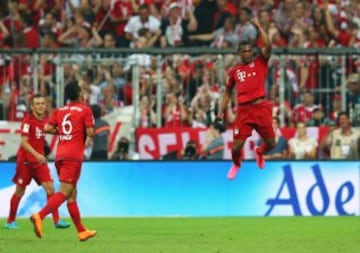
(191, 84)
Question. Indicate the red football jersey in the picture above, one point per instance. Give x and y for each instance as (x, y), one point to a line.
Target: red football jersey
(33, 128)
(249, 79)
(71, 122)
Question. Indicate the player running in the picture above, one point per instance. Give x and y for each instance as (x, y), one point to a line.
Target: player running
(73, 124)
(31, 162)
(253, 112)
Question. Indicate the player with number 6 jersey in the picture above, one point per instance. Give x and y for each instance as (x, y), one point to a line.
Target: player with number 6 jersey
(71, 134)
(73, 123)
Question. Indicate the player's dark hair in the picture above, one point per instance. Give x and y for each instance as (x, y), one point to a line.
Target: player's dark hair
(72, 90)
(36, 96)
(243, 43)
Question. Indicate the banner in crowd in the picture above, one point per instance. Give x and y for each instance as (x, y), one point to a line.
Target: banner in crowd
(153, 143)
(200, 188)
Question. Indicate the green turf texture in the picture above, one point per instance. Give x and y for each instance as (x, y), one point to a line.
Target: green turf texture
(192, 235)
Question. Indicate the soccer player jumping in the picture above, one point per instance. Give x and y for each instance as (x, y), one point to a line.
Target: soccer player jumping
(254, 111)
(73, 123)
(31, 162)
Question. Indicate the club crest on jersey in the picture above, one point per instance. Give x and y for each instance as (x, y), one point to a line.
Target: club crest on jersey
(38, 133)
(242, 75)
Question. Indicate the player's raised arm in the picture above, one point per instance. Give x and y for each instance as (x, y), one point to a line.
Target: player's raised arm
(266, 49)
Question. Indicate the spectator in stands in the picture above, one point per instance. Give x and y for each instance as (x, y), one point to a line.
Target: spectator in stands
(109, 102)
(225, 34)
(100, 142)
(225, 9)
(4, 60)
(319, 119)
(197, 118)
(122, 151)
(190, 151)
(147, 114)
(309, 65)
(274, 97)
(30, 33)
(302, 146)
(118, 75)
(283, 18)
(353, 85)
(245, 29)
(175, 29)
(141, 59)
(175, 113)
(344, 35)
(33, 8)
(204, 9)
(213, 147)
(103, 22)
(83, 13)
(336, 107)
(342, 142)
(81, 36)
(120, 14)
(303, 112)
(49, 24)
(109, 41)
(143, 20)
(281, 145)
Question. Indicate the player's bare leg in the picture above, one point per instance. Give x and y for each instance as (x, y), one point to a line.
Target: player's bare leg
(14, 204)
(49, 189)
(236, 158)
(83, 233)
(267, 145)
(53, 203)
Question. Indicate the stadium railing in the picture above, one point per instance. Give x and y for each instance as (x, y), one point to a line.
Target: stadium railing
(327, 70)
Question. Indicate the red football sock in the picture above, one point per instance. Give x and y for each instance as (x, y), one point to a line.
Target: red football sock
(75, 216)
(14, 203)
(236, 155)
(263, 148)
(53, 204)
(55, 213)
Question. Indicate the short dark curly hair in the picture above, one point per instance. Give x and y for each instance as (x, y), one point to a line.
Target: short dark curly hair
(72, 90)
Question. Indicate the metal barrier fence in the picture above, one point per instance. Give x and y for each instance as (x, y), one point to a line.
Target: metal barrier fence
(171, 87)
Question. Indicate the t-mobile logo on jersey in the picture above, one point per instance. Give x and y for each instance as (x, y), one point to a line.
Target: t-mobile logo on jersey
(242, 75)
(38, 133)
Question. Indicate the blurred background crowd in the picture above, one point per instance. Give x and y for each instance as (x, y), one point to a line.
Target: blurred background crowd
(191, 84)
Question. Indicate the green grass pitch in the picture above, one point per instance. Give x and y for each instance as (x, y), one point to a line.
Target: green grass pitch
(192, 235)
